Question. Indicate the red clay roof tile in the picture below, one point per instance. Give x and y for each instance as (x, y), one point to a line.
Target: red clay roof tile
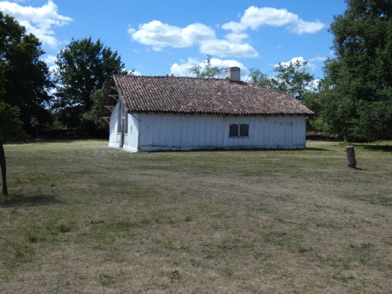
(209, 96)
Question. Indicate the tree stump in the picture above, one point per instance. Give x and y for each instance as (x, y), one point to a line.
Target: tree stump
(351, 162)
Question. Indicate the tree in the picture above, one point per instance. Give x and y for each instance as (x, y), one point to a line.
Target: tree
(24, 78)
(259, 78)
(358, 81)
(207, 70)
(83, 68)
(315, 123)
(292, 78)
(10, 128)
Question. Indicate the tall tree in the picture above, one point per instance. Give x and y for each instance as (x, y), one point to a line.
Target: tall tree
(292, 78)
(83, 68)
(295, 79)
(207, 70)
(259, 78)
(10, 128)
(24, 78)
(358, 82)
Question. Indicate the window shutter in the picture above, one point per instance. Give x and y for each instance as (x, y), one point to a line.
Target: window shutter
(244, 130)
(233, 130)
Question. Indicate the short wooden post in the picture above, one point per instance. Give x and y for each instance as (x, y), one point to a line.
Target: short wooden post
(351, 162)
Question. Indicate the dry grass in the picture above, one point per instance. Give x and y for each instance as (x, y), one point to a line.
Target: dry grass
(83, 218)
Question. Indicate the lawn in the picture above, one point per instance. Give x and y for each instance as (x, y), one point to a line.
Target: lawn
(84, 218)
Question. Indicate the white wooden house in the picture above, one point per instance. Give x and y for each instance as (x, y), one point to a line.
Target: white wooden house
(148, 113)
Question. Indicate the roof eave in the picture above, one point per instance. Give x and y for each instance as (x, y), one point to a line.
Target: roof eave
(219, 113)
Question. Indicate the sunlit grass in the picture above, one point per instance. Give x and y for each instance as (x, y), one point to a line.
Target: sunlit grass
(82, 217)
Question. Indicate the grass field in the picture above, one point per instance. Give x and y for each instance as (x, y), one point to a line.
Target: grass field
(84, 218)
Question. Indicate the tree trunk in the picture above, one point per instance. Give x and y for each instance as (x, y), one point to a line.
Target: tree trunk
(3, 170)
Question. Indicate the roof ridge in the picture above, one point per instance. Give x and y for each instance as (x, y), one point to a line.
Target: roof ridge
(172, 76)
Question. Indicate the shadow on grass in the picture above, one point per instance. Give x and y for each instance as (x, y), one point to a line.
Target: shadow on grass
(14, 200)
(51, 141)
(316, 149)
(230, 150)
(383, 148)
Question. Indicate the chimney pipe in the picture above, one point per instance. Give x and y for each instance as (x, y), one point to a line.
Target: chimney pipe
(233, 73)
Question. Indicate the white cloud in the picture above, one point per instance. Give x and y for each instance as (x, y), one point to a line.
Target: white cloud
(182, 69)
(299, 59)
(255, 17)
(135, 72)
(39, 21)
(50, 61)
(308, 67)
(160, 35)
(302, 27)
(235, 27)
(236, 38)
(318, 59)
(223, 48)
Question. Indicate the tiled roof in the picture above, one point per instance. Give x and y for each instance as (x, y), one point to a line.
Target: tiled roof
(208, 96)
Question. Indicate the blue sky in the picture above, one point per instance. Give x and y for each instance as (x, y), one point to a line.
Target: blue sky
(160, 37)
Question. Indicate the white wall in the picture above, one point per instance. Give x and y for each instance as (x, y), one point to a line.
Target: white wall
(132, 138)
(185, 132)
(114, 139)
(118, 114)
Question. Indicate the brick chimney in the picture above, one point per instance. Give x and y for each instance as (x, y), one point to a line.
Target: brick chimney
(233, 73)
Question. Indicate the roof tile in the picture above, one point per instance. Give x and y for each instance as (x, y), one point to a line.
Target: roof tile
(209, 96)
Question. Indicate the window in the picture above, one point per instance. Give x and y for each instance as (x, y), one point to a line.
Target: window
(244, 130)
(233, 131)
(239, 130)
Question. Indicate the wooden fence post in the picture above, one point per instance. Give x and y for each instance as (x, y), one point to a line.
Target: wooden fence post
(351, 162)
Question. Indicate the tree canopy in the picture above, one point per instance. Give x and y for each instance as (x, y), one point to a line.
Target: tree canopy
(83, 68)
(207, 70)
(357, 88)
(292, 78)
(24, 78)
